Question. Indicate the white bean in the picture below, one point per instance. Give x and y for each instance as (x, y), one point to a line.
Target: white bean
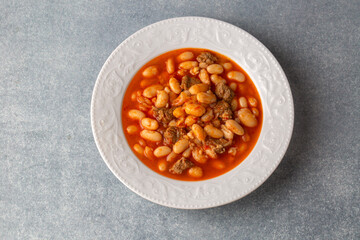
(180, 100)
(204, 76)
(142, 142)
(185, 56)
(206, 97)
(147, 82)
(227, 66)
(190, 134)
(246, 137)
(255, 111)
(162, 151)
(180, 122)
(199, 156)
(151, 71)
(162, 166)
(236, 75)
(197, 88)
(196, 172)
(133, 96)
(149, 124)
(132, 129)
(198, 132)
(135, 114)
(172, 123)
(172, 96)
(216, 79)
(243, 102)
(211, 153)
(182, 72)
(242, 147)
(170, 65)
(188, 65)
(181, 146)
(218, 164)
(187, 153)
(195, 109)
(151, 91)
(148, 152)
(178, 112)
(167, 90)
(252, 101)
(174, 85)
(208, 116)
(233, 126)
(151, 135)
(229, 135)
(190, 120)
(139, 149)
(213, 131)
(203, 65)
(194, 71)
(247, 118)
(233, 86)
(215, 69)
(162, 99)
(171, 157)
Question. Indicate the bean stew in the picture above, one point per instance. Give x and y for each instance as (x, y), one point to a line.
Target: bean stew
(191, 114)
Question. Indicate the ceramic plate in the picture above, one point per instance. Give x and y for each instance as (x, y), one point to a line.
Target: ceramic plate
(196, 32)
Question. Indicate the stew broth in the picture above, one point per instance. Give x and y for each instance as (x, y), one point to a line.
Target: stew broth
(156, 72)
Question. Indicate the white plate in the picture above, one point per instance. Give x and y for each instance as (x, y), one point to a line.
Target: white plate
(197, 32)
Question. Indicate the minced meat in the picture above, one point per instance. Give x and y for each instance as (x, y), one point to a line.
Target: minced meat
(222, 110)
(187, 82)
(181, 165)
(173, 134)
(206, 57)
(224, 92)
(163, 115)
(218, 145)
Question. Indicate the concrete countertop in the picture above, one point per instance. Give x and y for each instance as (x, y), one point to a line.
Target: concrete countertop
(53, 182)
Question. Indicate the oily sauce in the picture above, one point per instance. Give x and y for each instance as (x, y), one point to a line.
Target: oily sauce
(211, 167)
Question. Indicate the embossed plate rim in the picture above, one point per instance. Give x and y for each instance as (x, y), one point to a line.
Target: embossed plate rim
(201, 198)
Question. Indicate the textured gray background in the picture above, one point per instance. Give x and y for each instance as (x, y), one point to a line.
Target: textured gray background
(54, 184)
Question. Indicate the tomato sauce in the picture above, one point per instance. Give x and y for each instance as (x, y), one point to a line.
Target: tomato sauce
(210, 169)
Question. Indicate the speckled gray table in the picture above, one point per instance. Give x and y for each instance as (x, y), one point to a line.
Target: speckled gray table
(53, 182)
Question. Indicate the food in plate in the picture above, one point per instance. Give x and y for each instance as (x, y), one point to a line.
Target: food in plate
(191, 114)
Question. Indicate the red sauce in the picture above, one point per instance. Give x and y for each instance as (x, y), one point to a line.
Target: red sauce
(246, 89)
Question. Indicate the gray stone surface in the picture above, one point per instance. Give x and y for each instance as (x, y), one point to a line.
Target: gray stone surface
(54, 184)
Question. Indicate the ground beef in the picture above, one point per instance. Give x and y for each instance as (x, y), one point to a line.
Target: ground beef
(222, 110)
(206, 57)
(181, 165)
(187, 82)
(173, 134)
(224, 92)
(163, 115)
(218, 145)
